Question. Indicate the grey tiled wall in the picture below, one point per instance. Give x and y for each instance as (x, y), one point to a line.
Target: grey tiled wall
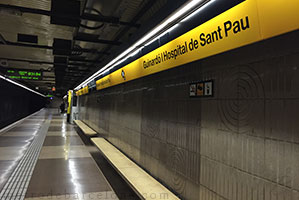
(241, 144)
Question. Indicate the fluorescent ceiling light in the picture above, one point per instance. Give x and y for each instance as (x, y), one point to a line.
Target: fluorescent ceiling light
(189, 6)
(20, 85)
(162, 34)
(198, 10)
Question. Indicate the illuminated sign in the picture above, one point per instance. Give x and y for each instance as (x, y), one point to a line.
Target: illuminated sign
(24, 74)
(248, 22)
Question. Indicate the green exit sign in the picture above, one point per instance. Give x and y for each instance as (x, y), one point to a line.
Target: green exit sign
(24, 74)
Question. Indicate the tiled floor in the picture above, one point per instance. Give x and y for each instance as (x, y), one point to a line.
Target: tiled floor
(64, 169)
(62, 141)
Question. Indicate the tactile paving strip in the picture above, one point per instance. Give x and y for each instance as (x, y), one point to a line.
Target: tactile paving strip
(17, 184)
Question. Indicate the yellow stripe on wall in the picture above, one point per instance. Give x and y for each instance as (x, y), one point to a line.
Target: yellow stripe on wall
(69, 101)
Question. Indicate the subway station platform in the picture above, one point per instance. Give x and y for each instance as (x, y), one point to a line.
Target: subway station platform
(149, 99)
(43, 157)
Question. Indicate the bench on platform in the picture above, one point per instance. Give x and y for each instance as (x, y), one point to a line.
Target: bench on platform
(145, 186)
(86, 130)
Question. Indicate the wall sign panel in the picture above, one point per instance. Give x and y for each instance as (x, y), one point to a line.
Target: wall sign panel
(246, 23)
(201, 89)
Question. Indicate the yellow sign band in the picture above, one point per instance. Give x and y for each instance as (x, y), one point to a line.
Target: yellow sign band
(250, 21)
(82, 91)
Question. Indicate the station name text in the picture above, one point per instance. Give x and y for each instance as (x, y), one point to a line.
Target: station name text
(204, 39)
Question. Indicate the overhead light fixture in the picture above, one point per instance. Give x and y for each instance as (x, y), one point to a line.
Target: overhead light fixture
(156, 32)
(3, 63)
(20, 85)
(10, 11)
(2, 39)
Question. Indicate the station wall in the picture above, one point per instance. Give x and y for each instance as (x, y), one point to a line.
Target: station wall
(17, 102)
(242, 143)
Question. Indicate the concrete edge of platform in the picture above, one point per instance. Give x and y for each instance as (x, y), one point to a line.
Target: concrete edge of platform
(10, 126)
(18, 182)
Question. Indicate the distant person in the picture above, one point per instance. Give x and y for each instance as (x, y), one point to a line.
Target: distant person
(62, 107)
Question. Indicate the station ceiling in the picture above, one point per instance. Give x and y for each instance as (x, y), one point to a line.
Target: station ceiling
(31, 33)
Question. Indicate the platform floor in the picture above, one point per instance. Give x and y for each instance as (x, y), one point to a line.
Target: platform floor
(57, 166)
